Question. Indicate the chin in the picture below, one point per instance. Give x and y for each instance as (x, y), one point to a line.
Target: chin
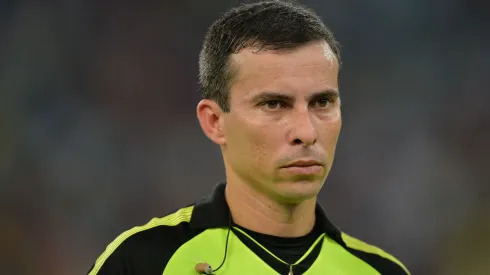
(298, 191)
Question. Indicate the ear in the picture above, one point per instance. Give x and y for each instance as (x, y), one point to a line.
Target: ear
(210, 117)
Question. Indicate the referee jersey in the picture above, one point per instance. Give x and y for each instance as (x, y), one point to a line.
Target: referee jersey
(199, 233)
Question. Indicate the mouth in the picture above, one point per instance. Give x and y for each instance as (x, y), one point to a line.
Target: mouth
(304, 167)
(303, 163)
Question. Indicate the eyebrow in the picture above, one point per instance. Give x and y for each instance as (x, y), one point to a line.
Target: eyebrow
(269, 96)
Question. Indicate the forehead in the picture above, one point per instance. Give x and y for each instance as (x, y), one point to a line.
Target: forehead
(309, 67)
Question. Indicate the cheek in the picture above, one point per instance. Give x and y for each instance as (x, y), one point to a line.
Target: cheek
(254, 141)
(329, 130)
(263, 146)
(331, 135)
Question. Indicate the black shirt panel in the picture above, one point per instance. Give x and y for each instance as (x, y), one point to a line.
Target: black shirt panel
(289, 250)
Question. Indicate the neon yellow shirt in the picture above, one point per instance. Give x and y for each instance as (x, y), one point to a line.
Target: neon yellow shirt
(174, 244)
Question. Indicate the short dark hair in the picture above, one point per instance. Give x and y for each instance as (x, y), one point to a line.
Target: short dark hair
(272, 25)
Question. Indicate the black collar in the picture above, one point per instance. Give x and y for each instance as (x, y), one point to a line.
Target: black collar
(212, 211)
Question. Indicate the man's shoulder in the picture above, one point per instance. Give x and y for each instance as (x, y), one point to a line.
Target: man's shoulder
(172, 229)
(378, 258)
(146, 248)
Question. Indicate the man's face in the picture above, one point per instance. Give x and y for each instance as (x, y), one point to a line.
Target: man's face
(285, 119)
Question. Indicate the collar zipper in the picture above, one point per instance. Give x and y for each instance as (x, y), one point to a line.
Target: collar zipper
(290, 270)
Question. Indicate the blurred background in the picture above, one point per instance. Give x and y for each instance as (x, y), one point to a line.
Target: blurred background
(98, 131)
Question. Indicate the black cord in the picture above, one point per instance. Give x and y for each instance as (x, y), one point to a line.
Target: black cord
(226, 244)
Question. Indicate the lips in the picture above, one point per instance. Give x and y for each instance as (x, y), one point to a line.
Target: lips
(303, 163)
(304, 167)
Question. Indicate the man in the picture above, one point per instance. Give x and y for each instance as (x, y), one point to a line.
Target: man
(269, 75)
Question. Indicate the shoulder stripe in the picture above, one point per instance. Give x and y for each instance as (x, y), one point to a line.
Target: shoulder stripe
(357, 244)
(182, 215)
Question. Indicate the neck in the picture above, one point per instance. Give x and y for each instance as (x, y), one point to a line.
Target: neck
(255, 211)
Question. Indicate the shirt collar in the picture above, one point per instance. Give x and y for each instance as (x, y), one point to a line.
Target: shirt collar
(212, 211)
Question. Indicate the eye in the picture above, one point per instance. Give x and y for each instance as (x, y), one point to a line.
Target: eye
(273, 104)
(321, 103)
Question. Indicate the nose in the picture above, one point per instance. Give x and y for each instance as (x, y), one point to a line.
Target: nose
(303, 131)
